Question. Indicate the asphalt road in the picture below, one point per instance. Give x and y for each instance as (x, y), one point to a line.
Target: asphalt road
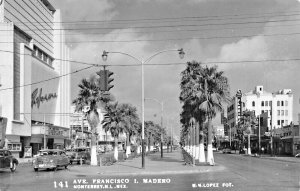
(240, 173)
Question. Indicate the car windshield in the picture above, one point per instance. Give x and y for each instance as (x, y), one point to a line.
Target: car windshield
(80, 149)
(45, 153)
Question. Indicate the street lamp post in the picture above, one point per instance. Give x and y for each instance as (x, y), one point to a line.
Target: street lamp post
(161, 123)
(143, 62)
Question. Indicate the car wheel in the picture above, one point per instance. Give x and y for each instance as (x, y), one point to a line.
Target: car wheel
(66, 167)
(55, 168)
(14, 167)
(36, 169)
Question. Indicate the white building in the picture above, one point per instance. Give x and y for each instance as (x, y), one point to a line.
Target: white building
(33, 55)
(278, 105)
(81, 130)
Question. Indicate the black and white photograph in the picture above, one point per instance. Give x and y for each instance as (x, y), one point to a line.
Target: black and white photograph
(129, 95)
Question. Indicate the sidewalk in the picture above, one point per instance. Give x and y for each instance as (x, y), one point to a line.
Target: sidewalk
(171, 163)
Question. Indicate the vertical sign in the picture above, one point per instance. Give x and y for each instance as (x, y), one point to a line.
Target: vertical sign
(1, 11)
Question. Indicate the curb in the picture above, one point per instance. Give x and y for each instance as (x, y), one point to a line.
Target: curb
(203, 169)
(270, 158)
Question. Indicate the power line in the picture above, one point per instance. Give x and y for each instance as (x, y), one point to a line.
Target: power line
(72, 61)
(231, 16)
(174, 31)
(49, 79)
(160, 64)
(178, 39)
(169, 26)
(228, 62)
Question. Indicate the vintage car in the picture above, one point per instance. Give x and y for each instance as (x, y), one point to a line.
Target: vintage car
(7, 161)
(226, 150)
(80, 154)
(50, 159)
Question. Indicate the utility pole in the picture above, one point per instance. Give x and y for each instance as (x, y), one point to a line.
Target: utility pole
(45, 144)
(82, 125)
(259, 145)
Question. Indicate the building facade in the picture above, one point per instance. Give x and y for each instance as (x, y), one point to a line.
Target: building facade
(35, 90)
(81, 132)
(278, 106)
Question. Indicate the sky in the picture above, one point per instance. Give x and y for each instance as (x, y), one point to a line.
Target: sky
(225, 33)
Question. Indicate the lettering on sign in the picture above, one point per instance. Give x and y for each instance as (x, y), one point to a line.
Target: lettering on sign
(37, 98)
(56, 131)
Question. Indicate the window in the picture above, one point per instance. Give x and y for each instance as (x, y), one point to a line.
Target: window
(262, 111)
(45, 57)
(14, 146)
(278, 122)
(282, 103)
(286, 103)
(270, 103)
(286, 122)
(39, 54)
(286, 113)
(278, 103)
(262, 103)
(282, 122)
(282, 112)
(278, 112)
(253, 103)
(266, 103)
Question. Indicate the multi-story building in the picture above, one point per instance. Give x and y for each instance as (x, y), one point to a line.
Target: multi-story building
(35, 90)
(278, 105)
(81, 132)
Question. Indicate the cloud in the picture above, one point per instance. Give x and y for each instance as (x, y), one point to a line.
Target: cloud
(97, 10)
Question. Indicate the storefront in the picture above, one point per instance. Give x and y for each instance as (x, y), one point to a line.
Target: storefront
(53, 137)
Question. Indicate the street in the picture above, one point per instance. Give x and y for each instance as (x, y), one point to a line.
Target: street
(238, 173)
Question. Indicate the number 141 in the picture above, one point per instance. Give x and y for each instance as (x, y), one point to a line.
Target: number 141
(61, 184)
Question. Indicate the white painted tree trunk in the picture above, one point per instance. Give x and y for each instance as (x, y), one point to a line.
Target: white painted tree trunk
(151, 148)
(138, 151)
(197, 152)
(116, 153)
(201, 153)
(249, 148)
(210, 156)
(94, 155)
(128, 151)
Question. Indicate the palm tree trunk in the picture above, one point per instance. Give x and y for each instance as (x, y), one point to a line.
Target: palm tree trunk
(249, 147)
(210, 156)
(201, 147)
(128, 150)
(116, 153)
(94, 161)
(197, 141)
(151, 143)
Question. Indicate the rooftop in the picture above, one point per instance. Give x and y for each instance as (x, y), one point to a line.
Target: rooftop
(48, 5)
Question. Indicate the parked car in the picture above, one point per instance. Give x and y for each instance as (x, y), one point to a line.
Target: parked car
(50, 159)
(77, 154)
(226, 150)
(297, 155)
(7, 161)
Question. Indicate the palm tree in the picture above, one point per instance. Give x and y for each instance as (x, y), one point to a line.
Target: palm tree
(90, 96)
(114, 121)
(131, 121)
(248, 121)
(214, 94)
(189, 88)
(207, 89)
